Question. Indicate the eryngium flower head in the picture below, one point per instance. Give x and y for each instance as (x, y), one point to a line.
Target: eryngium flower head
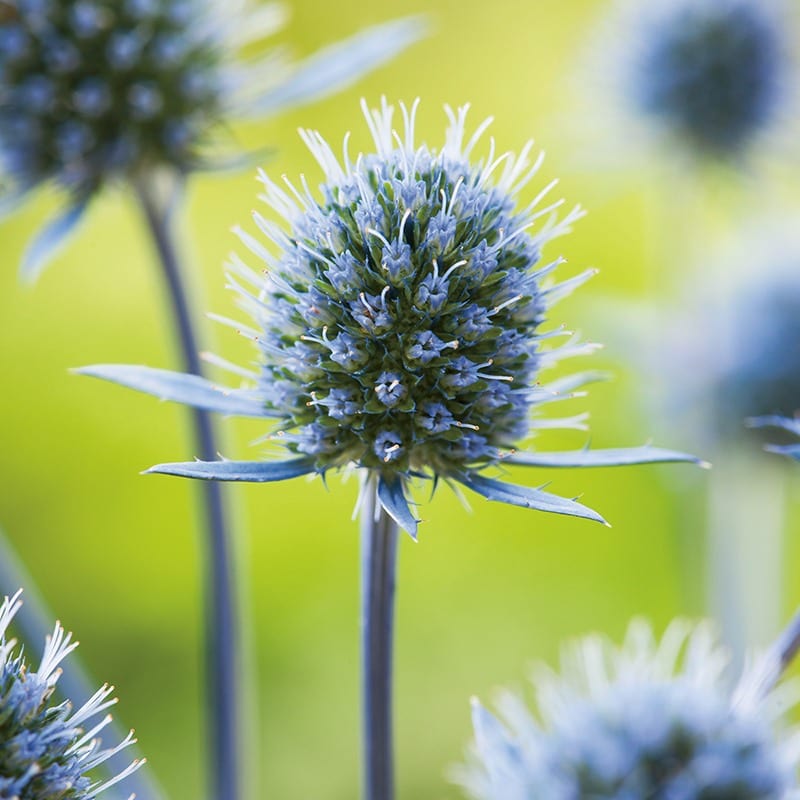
(400, 328)
(48, 750)
(98, 90)
(400, 325)
(712, 73)
(647, 721)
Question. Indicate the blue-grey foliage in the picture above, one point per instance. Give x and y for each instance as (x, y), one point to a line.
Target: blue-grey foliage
(713, 72)
(400, 323)
(48, 749)
(791, 426)
(649, 721)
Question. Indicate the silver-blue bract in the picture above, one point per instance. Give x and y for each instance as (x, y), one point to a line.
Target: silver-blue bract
(400, 327)
(713, 73)
(99, 90)
(652, 720)
(791, 426)
(48, 749)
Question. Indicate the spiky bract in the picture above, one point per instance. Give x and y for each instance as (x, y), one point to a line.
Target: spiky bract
(48, 750)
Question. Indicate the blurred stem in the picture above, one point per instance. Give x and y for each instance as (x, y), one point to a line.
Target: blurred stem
(222, 646)
(34, 622)
(745, 545)
(378, 570)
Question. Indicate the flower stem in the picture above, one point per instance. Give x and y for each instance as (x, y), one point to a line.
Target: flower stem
(222, 651)
(34, 623)
(378, 569)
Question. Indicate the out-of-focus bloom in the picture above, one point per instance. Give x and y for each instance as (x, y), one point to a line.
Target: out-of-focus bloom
(792, 426)
(648, 721)
(730, 349)
(712, 76)
(94, 91)
(400, 327)
(48, 749)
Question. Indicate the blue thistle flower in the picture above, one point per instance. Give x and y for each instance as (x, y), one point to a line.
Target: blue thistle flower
(48, 750)
(402, 339)
(713, 74)
(97, 91)
(647, 721)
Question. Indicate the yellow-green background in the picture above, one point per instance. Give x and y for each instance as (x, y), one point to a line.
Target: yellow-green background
(481, 596)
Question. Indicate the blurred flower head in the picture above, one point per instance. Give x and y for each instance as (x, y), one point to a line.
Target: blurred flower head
(709, 75)
(93, 91)
(399, 322)
(48, 749)
(732, 344)
(644, 721)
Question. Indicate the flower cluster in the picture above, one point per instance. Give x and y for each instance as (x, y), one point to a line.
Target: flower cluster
(48, 750)
(652, 720)
(97, 90)
(713, 73)
(400, 325)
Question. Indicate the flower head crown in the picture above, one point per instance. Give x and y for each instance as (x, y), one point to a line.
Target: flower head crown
(399, 325)
(48, 750)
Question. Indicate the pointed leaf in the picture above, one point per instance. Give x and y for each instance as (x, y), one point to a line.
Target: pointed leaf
(792, 425)
(791, 450)
(615, 457)
(526, 497)
(247, 471)
(340, 64)
(181, 388)
(774, 421)
(393, 499)
(49, 240)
